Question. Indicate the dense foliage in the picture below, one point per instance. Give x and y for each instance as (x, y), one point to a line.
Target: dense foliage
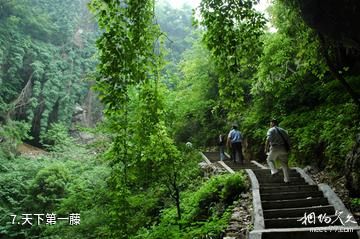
(45, 55)
(206, 211)
(294, 84)
(232, 35)
(161, 83)
(144, 158)
(66, 181)
(257, 75)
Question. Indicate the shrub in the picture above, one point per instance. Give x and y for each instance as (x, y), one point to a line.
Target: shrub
(11, 135)
(48, 187)
(57, 138)
(206, 211)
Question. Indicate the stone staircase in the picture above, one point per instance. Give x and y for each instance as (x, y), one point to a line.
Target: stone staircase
(299, 209)
(284, 204)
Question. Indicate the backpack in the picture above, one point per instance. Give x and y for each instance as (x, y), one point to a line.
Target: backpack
(286, 143)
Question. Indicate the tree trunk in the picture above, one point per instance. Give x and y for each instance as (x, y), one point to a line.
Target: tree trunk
(177, 200)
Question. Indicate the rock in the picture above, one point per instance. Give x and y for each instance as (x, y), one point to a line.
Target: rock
(244, 195)
(236, 216)
(352, 165)
(236, 209)
(233, 234)
(211, 169)
(240, 221)
(202, 165)
(311, 169)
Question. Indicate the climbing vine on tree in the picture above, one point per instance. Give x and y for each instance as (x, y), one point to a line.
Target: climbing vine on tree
(45, 55)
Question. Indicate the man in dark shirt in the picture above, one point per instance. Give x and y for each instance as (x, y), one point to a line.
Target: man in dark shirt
(221, 144)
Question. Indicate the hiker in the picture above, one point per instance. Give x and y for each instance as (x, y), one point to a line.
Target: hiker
(234, 142)
(221, 144)
(277, 146)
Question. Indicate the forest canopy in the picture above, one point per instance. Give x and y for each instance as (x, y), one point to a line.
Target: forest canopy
(111, 91)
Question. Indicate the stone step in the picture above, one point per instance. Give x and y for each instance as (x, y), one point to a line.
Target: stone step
(239, 169)
(242, 165)
(267, 184)
(301, 234)
(232, 164)
(280, 174)
(268, 172)
(286, 205)
(294, 203)
(279, 180)
(290, 195)
(299, 222)
(298, 212)
(290, 188)
(235, 168)
(212, 156)
(262, 178)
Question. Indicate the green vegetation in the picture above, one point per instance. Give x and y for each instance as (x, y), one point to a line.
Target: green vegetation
(162, 78)
(45, 55)
(206, 210)
(64, 182)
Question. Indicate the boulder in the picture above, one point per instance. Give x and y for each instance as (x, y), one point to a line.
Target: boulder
(352, 172)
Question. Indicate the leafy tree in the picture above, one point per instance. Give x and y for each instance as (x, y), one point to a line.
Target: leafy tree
(48, 187)
(195, 99)
(57, 138)
(176, 24)
(141, 153)
(232, 35)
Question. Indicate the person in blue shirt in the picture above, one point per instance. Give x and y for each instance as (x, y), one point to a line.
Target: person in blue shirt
(234, 142)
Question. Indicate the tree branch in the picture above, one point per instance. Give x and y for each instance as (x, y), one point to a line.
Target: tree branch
(21, 100)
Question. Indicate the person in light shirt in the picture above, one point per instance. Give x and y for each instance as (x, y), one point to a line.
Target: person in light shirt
(277, 147)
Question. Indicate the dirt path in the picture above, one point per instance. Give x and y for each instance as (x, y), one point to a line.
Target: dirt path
(29, 150)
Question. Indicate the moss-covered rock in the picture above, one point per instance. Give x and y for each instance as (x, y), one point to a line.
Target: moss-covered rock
(352, 173)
